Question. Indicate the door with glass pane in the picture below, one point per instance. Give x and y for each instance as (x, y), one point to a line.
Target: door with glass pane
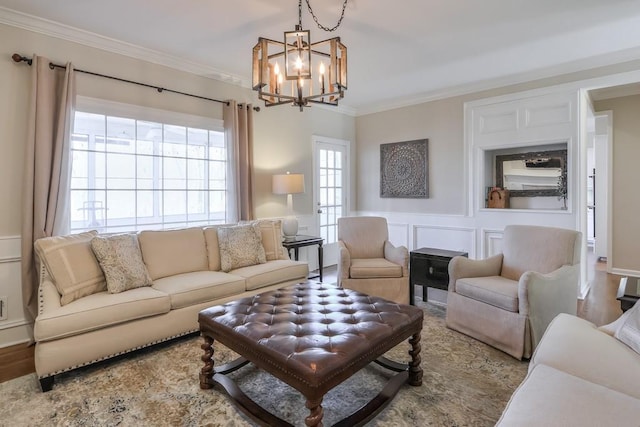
(331, 176)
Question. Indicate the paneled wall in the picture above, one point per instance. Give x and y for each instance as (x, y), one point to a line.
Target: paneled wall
(15, 329)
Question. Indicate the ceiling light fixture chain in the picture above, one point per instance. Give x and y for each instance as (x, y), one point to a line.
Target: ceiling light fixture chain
(315, 18)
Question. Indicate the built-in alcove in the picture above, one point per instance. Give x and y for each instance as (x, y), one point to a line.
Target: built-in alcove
(535, 175)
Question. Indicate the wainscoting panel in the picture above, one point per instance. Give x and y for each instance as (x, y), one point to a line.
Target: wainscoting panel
(15, 329)
(399, 234)
(450, 238)
(492, 242)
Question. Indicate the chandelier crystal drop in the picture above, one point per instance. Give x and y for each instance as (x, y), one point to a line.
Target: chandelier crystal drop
(299, 72)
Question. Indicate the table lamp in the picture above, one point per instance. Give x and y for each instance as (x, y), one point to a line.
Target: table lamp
(289, 184)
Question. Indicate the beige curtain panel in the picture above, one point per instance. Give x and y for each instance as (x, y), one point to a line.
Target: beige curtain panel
(47, 166)
(238, 129)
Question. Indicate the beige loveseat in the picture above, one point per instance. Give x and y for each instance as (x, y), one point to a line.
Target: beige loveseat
(579, 375)
(79, 322)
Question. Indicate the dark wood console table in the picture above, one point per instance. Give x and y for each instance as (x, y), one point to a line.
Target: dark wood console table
(300, 241)
(429, 267)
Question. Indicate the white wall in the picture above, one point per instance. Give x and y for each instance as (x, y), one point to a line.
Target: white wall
(282, 137)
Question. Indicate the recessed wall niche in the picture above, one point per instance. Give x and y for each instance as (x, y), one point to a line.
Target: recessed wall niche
(535, 175)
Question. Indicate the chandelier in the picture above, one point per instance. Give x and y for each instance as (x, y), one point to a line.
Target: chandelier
(299, 72)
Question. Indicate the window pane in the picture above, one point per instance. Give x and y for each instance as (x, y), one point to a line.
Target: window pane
(197, 174)
(197, 203)
(149, 135)
(175, 203)
(217, 174)
(144, 206)
(121, 135)
(174, 173)
(121, 204)
(175, 141)
(121, 171)
(145, 172)
(198, 140)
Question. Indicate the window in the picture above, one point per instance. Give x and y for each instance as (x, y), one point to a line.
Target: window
(130, 172)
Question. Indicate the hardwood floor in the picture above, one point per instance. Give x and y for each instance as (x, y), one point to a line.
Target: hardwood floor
(16, 361)
(600, 307)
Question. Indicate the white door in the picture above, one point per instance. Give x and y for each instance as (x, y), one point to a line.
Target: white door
(330, 191)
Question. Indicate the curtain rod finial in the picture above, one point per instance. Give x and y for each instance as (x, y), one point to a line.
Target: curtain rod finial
(19, 58)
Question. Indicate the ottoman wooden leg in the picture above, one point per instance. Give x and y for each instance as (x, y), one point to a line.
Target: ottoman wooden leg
(206, 373)
(315, 413)
(415, 371)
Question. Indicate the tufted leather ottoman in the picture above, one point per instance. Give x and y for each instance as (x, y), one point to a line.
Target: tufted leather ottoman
(312, 337)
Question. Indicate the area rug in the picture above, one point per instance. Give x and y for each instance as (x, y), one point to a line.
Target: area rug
(465, 383)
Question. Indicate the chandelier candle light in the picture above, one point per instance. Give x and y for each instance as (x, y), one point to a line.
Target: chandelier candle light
(277, 65)
(289, 184)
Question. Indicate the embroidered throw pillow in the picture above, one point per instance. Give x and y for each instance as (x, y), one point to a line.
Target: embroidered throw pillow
(240, 246)
(120, 259)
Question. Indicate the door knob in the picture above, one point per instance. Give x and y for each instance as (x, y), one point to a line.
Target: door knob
(319, 210)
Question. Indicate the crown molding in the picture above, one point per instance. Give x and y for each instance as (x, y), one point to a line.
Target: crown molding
(87, 38)
(585, 64)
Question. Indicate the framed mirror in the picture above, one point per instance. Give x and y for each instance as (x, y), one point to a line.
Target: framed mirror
(533, 174)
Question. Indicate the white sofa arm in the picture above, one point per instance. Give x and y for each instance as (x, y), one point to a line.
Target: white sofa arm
(397, 255)
(543, 296)
(461, 267)
(344, 262)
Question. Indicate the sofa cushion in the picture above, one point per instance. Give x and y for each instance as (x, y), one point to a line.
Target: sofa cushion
(368, 268)
(272, 272)
(577, 347)
(199, 286)
(493, 290)
(98, 311)
(72, 265)
(213, 247)
(170, 252)
(240, 246)
(271, 232)
(121, 261)
(549, 397)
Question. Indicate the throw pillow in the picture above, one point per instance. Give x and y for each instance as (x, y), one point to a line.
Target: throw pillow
(629, 330)
(240, 246)
(271, 231)
(120, 259)
(72, 265)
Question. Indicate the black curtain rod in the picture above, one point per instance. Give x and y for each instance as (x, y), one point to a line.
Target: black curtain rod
(20, 58)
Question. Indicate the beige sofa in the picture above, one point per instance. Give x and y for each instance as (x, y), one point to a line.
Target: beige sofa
(185, 269)
(579, 375)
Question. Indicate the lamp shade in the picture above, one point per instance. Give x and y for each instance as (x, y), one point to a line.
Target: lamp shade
(288, 184)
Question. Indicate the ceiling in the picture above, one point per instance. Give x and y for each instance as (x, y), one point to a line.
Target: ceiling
(400, 52)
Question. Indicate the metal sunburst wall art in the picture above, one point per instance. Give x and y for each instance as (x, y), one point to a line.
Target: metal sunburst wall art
(404, 170)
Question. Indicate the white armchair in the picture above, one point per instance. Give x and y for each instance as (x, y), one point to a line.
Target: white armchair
(369, 263)
(508, 300)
